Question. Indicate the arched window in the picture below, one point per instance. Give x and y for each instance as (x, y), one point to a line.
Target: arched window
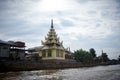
(43, 53)
(61, 53)
(57, 53)
(49, 53)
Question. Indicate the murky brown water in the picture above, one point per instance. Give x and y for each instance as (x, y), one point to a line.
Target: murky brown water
(94, 73)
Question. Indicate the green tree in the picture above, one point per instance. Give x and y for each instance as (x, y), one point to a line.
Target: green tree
(92, 51)
(104, 57)
(82, 56)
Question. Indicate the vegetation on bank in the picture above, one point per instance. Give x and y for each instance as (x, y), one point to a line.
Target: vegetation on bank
(83, 56)
(88, 57)
(83, 59)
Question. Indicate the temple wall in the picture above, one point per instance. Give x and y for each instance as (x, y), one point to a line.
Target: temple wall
(53, 55)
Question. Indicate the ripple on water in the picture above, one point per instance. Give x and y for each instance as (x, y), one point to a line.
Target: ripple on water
(93, 73)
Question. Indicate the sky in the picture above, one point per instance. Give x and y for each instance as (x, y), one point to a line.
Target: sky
(79, 23)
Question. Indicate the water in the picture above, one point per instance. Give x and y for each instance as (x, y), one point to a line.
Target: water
(111, 72)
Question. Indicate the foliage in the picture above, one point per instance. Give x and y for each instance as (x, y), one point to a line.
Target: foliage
(104, 57)
(82, 56)
(92, 51)
(119, 58)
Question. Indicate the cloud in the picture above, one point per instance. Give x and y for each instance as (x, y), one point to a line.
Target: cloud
(79, 23)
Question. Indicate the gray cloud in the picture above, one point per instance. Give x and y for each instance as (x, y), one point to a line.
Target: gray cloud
(79, 23)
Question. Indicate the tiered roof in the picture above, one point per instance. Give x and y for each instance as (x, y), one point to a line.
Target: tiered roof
(52, 39)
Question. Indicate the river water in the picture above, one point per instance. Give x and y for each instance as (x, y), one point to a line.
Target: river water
(111, 72)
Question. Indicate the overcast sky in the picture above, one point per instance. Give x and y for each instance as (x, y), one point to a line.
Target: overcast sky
(79, 23)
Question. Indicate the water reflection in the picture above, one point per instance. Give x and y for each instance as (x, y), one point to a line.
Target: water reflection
(48, 72)
(93, 73)
(9, 74)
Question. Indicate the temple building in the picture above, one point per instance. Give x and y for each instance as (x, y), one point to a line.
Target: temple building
(52, 49)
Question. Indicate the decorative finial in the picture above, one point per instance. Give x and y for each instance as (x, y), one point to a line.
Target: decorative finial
(52, 23)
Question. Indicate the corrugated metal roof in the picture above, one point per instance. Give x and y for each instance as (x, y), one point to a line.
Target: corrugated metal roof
(9, 43)
(4, 42)
(45, 47)
(35, 48)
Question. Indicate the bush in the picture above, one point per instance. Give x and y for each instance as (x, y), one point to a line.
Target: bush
(82, 56)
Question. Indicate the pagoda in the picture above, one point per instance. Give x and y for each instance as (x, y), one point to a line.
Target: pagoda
(52, 49)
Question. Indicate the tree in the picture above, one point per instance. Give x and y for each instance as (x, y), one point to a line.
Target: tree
(119, 58)
(92, 51)
(104, 57)
(82, 56)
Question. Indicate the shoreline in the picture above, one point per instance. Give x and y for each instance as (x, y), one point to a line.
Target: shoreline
(33, 65)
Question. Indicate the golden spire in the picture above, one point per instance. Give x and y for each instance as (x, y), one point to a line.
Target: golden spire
(52, 23)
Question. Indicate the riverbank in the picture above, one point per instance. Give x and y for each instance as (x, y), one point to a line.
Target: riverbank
(33, 65)
(111, 72)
